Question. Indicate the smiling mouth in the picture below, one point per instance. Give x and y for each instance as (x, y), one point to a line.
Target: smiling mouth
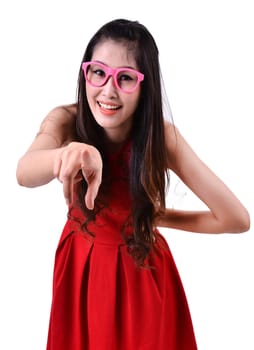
(108, 107)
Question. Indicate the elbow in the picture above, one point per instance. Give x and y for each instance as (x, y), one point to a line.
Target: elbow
(245, 225)
(241, 223)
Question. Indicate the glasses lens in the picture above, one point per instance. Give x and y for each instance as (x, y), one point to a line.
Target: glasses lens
(96, 74)
(127, 80)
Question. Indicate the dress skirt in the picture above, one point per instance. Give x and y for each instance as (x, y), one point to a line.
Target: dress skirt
(103, 301)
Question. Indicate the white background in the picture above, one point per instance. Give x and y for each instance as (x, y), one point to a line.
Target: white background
(206, 50)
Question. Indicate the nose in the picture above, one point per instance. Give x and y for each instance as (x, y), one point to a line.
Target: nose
(109, 88)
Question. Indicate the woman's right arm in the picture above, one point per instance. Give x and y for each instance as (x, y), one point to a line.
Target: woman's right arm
(36, 166)
(55, 154)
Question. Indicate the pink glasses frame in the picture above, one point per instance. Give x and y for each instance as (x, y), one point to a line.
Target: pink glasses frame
(113, 73)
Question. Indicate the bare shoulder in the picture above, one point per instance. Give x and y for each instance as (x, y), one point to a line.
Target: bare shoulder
(170, 131)
(179, 151)
(61, 115)
(172, 137)
(60, 123)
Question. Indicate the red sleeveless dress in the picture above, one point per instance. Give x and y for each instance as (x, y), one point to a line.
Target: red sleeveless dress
(101, 299)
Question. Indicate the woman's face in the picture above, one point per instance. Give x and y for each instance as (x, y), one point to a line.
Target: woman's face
(112, 108)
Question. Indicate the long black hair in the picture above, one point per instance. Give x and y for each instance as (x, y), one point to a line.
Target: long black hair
(147, 174)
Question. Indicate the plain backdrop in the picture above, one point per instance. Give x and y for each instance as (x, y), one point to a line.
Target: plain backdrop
(206, 53)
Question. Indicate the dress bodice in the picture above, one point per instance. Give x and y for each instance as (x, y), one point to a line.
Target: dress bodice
(111, 219)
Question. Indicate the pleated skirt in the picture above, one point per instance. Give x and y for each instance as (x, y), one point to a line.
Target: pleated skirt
(103, 301)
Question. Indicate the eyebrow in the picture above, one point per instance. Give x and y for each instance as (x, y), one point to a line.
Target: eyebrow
(117, 67)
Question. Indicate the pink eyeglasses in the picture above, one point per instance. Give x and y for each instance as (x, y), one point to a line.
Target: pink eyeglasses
(125, 79)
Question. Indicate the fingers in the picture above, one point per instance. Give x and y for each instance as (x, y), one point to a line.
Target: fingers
(68, 191)
(65, 170)
(71, 163)
(92, 172)
(92, 191)
(67, 182)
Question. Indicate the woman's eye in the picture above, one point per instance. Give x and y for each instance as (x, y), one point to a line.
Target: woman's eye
(99, 72)
(125, 77)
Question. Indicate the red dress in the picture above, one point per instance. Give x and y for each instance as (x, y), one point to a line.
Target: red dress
(102, 300)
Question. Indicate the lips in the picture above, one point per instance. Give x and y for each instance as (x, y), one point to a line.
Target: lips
(108, 108)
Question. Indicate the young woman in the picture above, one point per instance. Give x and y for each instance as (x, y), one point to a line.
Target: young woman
(116, 285)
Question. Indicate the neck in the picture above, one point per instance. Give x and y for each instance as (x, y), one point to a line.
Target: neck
(115, 142)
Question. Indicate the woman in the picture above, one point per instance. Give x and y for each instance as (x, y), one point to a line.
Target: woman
(116, 285)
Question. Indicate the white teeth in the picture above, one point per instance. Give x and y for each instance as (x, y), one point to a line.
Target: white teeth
(105, 106)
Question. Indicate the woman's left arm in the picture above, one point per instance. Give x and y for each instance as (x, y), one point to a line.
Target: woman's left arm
(225, 213)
